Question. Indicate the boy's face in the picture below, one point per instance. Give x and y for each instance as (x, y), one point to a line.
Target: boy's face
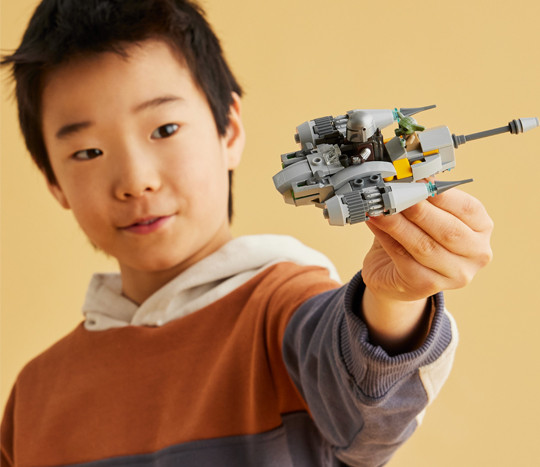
(137, 156)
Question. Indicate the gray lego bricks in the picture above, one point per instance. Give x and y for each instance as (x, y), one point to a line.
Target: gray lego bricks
(349, 170)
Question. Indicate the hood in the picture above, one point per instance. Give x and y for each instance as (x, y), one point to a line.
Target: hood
(202, 284)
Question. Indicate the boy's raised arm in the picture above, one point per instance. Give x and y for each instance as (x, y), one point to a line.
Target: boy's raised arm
(369, 357)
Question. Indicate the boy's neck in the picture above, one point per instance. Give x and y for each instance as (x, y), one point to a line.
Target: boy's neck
(139, 285)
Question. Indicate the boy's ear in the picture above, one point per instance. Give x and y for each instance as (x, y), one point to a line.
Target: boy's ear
(57, 192)
(235, 138)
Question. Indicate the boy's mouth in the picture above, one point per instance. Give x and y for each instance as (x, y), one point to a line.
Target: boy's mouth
(147, 222)
(146, 225)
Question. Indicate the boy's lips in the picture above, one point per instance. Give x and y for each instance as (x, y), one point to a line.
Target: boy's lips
(147, 225)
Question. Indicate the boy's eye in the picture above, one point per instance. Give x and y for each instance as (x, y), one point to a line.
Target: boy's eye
(87, 154)
(165, 131)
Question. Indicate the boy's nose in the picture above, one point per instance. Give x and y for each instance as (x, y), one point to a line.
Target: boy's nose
(136, 177)
(133, 191)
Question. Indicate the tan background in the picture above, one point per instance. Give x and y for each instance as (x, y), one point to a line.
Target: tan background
(298, 60)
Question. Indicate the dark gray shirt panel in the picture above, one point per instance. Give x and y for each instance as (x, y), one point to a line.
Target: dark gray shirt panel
(297, 443)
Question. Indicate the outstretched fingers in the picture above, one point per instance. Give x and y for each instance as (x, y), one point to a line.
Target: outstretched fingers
(458, 222)
(466, 208)
(420, 263)
(437, 244)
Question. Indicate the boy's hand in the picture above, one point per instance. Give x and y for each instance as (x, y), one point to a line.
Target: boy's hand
(438, 244)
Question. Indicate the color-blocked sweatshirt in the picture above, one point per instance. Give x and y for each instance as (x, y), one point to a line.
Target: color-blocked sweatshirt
(275, 369)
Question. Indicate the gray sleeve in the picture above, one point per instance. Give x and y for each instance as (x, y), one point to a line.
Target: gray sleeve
(364, 402)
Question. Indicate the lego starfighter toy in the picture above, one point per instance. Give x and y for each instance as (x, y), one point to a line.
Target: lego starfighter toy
(348, 169)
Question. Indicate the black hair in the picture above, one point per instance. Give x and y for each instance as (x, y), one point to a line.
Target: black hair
(60, 30)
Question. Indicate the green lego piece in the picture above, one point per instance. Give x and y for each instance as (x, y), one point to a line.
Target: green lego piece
(407, 125)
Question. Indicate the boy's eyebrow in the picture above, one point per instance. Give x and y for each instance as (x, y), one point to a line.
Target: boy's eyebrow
(156, 102)
(71, 128)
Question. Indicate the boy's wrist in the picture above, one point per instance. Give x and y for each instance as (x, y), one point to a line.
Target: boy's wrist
(397, 326)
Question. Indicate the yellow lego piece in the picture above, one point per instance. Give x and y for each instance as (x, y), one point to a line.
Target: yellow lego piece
(403, 168)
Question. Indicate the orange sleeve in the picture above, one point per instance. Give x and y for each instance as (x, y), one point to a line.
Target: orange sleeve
(6, 437)
(298, 284)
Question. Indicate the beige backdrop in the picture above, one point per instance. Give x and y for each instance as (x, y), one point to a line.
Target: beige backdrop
(298, 60)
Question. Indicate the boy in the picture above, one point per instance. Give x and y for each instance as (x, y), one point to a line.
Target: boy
(207, 350)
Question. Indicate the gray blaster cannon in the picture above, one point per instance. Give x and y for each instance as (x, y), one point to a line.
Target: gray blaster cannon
(348, 169)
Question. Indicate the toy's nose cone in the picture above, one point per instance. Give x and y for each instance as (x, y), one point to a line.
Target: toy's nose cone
(441, 187)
